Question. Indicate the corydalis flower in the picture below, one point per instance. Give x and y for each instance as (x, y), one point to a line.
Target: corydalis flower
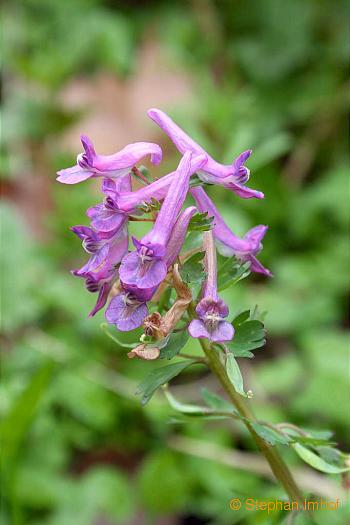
(232, 177)
(229, 244)
(107, 250)
(211, 310)
(128, 309)
(90, 164)
(107, 216)
(146, 267)
(128, 201)
(126, 312)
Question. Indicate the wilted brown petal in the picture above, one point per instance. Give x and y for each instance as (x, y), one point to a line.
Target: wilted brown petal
(144, 352)
(184, 297)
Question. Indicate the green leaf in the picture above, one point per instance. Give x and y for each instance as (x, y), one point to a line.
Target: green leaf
(199, 411)
(148, 207)
(159, 377)
(330, 454)
(271, 436)
(315, 461)
(231, 272)
(306, 437)
(104, 327)
(185, 408)
(192, 271)
(249, 335)
(215, 401)
(234, 374)
(240, 318)
(311, 441)
(241, 353)
(201, 222)
(177, 341)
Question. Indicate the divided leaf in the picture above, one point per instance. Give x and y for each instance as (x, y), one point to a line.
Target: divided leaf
(176, 342)
(151, 206)
(231, 272)
(192, 271)
(249, 335)
(201, 222)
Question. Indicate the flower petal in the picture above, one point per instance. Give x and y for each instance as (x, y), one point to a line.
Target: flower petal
(178, 235)
(198, 330)
(73, 175)
(102, 298)
(89, 149)
(223, 332)
(143, 275)
(182, 141)
(256, 234)
(127, 157)
(230, 176)
(124, 316)
(106, 220)
(256, 266)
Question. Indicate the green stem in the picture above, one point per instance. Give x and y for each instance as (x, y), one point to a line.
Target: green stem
(278, 466)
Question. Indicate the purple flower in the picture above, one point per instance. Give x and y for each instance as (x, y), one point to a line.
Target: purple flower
(89, 164)
(211, 310)
(178, 235)
(146, 267)
(128, 310)
(107, 216)
(127, 201)
(229, 244)
(232, 177)
(107, 250)
(121, 200)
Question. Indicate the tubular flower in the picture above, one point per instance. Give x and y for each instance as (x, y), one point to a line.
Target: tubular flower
(146, 267)
(90, 164)
(107, 250)
(106, 216)
(232, 177)
(229, 244)
(128, 309)
(211, 310)
(126, 312)
(127, 201)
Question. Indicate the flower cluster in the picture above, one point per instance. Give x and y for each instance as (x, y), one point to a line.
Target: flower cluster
(130, 279)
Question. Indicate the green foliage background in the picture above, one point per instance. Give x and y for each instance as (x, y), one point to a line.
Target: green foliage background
(78, 448)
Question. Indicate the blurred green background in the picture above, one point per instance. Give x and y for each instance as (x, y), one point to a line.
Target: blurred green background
(268, 75)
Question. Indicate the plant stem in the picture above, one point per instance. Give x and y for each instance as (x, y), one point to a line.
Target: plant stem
(278, 466)
(140, 175)
(137, 219)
